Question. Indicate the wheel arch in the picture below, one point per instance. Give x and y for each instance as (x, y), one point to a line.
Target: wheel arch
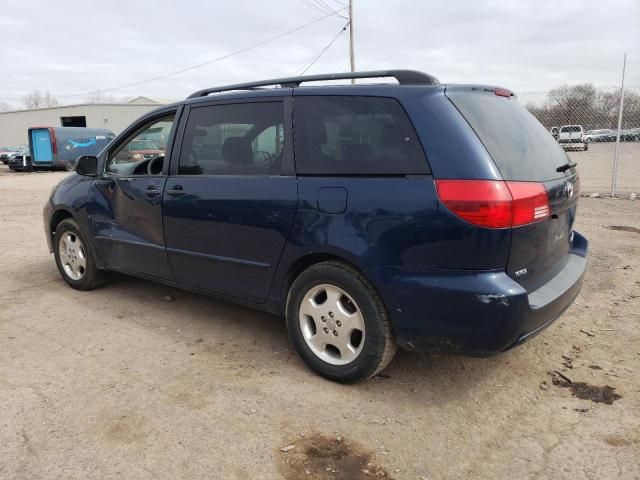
(58, 216)
(306, 261)
(63, 213)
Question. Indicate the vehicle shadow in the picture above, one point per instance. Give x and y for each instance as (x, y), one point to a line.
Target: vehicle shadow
(245, 335)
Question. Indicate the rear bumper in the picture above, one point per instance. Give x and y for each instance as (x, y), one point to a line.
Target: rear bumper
(475, 312)
(573, 143)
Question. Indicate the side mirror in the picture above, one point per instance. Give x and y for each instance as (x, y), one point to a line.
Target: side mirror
(87, 165)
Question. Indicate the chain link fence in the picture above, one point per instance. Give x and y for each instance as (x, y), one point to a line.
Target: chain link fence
(596, 111)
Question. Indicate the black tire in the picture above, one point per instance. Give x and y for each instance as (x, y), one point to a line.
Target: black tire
(379, 343)
(586, 146)
(70, 166)
(92, 276)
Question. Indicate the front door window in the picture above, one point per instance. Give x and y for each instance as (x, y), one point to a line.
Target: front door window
(144, 152)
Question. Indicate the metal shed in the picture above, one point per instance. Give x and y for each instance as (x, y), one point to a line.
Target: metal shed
(112, 116)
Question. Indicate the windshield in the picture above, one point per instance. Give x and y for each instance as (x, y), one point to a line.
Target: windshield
(573, 128)
(142, 145)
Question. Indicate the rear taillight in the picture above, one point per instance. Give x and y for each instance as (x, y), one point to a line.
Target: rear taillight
(530, 202)
(495, 203)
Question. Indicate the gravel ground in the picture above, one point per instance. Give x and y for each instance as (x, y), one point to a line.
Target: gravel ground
(137, 380)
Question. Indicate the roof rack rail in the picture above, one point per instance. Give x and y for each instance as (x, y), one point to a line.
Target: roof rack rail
(404, 77)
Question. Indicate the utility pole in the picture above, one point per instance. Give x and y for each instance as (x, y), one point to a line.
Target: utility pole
(352, 55)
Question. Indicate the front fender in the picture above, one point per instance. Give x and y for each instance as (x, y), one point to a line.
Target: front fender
(70, 200)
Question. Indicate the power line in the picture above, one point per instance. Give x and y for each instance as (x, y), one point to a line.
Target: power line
(323, 4)
(323, 7)
(312, 5)
(199, 65)
(324, 50)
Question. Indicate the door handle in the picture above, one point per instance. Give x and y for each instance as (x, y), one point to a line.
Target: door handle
(152, 190)
(176, 191)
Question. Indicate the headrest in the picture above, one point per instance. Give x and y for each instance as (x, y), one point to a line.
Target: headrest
(237, 151)
(199, 132)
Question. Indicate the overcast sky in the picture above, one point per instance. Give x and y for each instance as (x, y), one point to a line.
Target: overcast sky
(76, 46)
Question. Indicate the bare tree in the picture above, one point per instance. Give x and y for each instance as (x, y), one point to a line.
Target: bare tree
(587, 106)
(5, 107)
(38, 99)
(100, 97)
(573, 103)
(608, 105)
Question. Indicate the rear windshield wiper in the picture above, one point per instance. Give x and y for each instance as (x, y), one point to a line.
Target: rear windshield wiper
(566, 166)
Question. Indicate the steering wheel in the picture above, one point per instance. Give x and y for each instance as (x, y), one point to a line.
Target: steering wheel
(151, 164)
(266, 157)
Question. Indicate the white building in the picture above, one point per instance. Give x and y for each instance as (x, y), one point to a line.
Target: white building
(112, 116)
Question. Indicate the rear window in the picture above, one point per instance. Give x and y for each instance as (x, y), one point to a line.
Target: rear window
(351, 135)
(573, 128)
(519, 145)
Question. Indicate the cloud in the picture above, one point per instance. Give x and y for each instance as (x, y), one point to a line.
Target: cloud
(78, 46)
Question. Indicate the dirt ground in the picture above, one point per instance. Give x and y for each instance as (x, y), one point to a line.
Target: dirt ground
(137, 380)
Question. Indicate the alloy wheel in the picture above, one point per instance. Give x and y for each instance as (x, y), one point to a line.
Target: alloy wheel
(332, 324)
(72, 255)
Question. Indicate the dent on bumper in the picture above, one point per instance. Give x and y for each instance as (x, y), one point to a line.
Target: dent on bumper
(474, 312)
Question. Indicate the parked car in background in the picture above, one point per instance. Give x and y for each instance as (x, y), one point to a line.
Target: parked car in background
(18, 152)
(59, 147)
(554, 132)
(6, 153)
(140, 149)
(602, 135)
(572, 137)
(425, 216)
(629, 135)
(20, 161)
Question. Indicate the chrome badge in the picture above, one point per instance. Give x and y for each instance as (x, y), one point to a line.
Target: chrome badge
(520, 273)
(568, 189)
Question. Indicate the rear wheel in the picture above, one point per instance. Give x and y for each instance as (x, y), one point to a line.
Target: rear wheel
(74, 258)
(338, 323)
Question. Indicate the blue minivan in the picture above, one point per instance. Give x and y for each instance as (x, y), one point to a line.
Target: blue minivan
(372, 216)
(59, 147)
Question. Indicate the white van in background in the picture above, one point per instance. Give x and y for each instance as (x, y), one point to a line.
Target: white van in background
(572, 136)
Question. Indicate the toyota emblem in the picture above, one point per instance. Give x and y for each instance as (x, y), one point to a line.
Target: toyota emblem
(568, 189)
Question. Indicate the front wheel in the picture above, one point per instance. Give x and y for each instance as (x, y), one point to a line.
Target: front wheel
(338, 324)
(74, 258)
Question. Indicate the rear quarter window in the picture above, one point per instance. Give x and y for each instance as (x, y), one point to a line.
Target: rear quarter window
(352, 135)
(520, 146)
